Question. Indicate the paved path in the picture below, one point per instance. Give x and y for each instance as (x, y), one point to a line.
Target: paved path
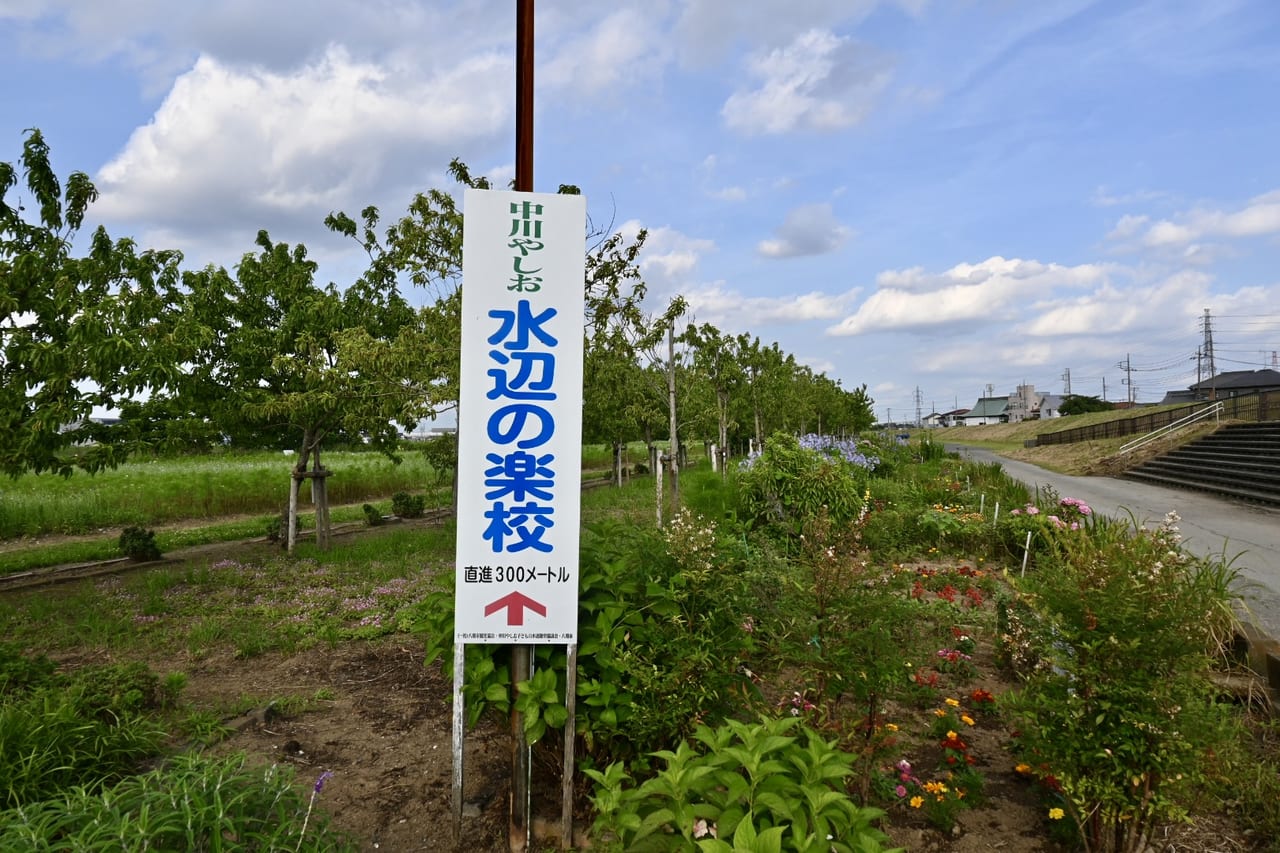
(1210, 525)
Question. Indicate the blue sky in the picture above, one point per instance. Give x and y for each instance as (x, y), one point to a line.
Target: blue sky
(931, 194)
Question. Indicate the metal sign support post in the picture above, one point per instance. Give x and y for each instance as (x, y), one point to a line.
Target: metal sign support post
(519, 498)
(522, 655)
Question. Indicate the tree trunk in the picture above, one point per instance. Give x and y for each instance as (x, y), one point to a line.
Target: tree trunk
(722, 412)
(617, 464)
(320, 497)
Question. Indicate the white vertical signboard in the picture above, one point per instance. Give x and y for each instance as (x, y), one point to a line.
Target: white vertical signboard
(520, 418)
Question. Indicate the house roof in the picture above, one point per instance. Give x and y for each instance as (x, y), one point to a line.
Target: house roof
(1241, 379)
(1051, 401)
(988, 407)
(1171, 397)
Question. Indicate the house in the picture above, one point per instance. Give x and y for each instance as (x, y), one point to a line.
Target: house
(933, 420)
(988, 410)
(953, 417)
(1049, 406)
(1172, 397)
(1235, 383)
(1024, 404)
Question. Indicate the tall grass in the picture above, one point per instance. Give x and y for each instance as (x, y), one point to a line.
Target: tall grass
(156, 491)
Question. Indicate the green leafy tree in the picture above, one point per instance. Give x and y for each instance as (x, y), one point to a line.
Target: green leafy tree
(716, 360)
(78, 333)
(1078, 404)
(281, 354)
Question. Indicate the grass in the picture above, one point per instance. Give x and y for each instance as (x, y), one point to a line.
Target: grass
(1077, 459)
(245, 607)
(154, 492)
(25, 555)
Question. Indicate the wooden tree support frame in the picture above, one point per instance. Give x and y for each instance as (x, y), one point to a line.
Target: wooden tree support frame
(318, 476)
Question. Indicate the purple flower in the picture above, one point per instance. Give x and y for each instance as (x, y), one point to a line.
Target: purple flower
(324, 777)
(901, 791)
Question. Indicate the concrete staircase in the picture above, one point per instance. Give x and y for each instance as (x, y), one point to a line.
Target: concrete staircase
(1240, 461)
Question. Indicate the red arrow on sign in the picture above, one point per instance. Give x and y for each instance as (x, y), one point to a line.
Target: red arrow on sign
(515, 603)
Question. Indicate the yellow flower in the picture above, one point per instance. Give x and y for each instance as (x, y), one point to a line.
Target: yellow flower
(1056, 814)
(966, 719)
(1023, 769)
(939, 712)
(954, 703)
(917, 802)
(951, 735)
(890, 727)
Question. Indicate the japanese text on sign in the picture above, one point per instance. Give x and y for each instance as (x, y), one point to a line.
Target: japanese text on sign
(520, 417)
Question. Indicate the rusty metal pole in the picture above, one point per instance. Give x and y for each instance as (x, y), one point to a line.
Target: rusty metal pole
(521, 655)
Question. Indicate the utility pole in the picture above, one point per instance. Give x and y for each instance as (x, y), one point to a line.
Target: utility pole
(1104, 389)
(919, 400)
(991, 389)
(1127, 366)
(1208, 343)
(1066, 383)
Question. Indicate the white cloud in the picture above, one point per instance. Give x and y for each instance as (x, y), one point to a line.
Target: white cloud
(707, 29)
(820, 81)
(621, 50)
(732, 310)
(671, 254)
(1260, 216)
(1103, 197)
(996, 289)
(1127, 227)
(1110, 311)
(669, 258)
(811, 229)
(255, 146)
(730, 194)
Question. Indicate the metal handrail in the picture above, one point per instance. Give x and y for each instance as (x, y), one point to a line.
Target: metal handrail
(1215, 410)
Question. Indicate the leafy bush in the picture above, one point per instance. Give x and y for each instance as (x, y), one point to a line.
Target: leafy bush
(47, 743)
(86, 728)
(139, 544)
(20, 674)
(195, 803)
(789, 483)
(372, 515)
(441, 453)
(662, 640)
(406, 505)
(1118, 714)
(739, 786)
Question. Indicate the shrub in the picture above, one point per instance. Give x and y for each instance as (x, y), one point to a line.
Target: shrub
(47, 743)
(372, 515)
(790, 483)
(662, 641)
(139, 544)
(20, 674)
(441, 453)
(1118, 715)
(739, 786)
(406, 505)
